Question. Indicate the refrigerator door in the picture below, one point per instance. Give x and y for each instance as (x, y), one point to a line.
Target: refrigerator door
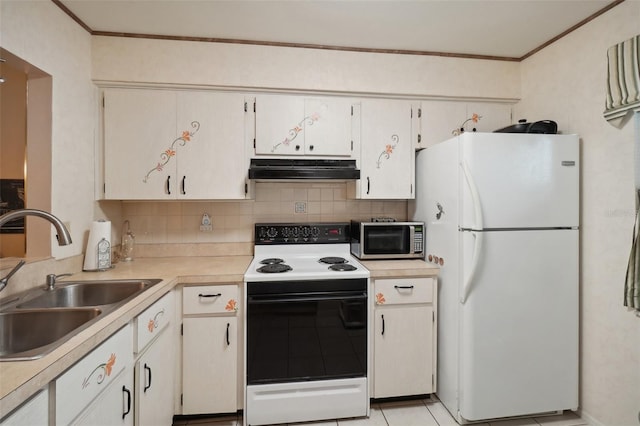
(519, 324)
(522, 180)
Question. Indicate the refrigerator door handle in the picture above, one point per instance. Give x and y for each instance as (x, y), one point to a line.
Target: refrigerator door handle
(479, 224)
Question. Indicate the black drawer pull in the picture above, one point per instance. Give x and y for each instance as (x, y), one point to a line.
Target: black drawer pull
(403, 287)
(147, 368)
(228, 342)
(382, 324)
(168, 189)
(128, 392)
(210, 295)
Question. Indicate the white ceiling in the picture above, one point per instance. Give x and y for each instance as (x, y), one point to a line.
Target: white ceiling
(503, 28)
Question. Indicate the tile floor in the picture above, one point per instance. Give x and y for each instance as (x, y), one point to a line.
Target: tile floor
(424, 412)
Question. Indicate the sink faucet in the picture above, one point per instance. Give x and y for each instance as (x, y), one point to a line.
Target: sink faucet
(64, 238)
(5, 280)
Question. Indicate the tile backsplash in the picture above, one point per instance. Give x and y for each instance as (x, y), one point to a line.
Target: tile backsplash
(179, 221)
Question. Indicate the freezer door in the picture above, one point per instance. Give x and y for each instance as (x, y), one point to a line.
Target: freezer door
(519, 324)
(522, 180)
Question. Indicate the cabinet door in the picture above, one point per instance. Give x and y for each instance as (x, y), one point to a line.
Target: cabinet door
(213, 164)
(154, 382)
(387, 161)
(33, 412)
(114, 406)
(439, 119)
(140, 144)
(209, 369)
(281, 124)
(403, 356)
(330, 132)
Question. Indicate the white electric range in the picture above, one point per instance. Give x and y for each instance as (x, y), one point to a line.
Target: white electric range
(306, 326)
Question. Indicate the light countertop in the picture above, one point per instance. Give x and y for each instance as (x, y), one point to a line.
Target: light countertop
(400, 268)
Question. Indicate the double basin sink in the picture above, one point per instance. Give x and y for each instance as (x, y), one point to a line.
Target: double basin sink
(36, 322)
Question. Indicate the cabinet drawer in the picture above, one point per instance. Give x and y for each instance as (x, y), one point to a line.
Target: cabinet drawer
(152, 321)
(403, 290)
(210, 299)
(79, 385)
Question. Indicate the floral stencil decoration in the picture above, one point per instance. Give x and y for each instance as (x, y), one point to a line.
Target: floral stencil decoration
(170, 152)
(104, 370)
(474, 118)
(293, 133)
(232, 306)
(388, 150)
(153, 322)
(380, 300)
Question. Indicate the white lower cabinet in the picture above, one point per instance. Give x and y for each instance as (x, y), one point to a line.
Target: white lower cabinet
(404, 337)
(155, 366)
(210, 349)
(33, 412)
(114, 406)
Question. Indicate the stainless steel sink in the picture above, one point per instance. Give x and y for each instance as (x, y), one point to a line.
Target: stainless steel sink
(29, 334)
(37, 321)
(88, 293)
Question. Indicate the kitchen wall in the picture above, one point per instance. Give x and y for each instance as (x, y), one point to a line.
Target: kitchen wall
(41, 34)
(565, 82)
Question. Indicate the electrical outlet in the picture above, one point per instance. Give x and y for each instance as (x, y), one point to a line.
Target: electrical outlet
(205, 224)
(301, 207)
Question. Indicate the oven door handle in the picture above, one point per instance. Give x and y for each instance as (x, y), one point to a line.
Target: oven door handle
(280, 298)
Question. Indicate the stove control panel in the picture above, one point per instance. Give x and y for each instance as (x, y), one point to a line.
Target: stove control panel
(301, 233)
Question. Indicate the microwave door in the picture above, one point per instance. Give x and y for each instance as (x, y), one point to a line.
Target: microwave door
(387, 240)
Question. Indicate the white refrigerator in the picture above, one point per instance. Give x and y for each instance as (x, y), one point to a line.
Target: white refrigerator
(502, 217)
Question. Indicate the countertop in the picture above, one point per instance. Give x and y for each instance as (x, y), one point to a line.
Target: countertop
(21, 379)
(400, 268)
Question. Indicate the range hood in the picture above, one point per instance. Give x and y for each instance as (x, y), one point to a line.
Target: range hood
(289, 169)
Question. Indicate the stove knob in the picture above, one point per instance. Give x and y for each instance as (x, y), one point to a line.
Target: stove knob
(315, 231)
(272, 232)
(286, 232)
(305, 232)
(296, 232)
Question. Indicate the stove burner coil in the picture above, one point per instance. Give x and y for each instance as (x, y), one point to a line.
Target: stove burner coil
(274, 268)
(271, 261)
(333, 260)
(342, 267)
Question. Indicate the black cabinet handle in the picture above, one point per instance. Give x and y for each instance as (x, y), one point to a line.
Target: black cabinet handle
(403, 287)
(382, 324)
(368, 185)
(128, 392)
(147, 368)
(310, 147)
(168, 189)
(297, 147)
(210, 295)
(228, 342)
(184, 178)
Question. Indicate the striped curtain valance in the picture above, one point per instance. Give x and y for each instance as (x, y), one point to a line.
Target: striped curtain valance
(623, 80)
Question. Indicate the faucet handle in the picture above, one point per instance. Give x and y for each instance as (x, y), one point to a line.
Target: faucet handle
(51, 280)
(5, 280)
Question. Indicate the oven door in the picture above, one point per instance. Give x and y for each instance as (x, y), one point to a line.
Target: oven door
(306, 330)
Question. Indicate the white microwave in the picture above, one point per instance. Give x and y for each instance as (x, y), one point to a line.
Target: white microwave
(387, 240)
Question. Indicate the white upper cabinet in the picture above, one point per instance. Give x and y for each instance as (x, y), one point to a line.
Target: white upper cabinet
(440, 119)
(298, 125)
(169, 144)
(383, 130)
